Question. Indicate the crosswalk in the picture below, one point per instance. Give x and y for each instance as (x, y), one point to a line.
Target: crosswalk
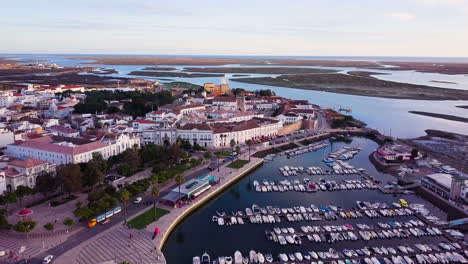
(118, 246)
(13, 245)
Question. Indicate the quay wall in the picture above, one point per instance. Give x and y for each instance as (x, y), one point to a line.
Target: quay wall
(205, 199)
(442, 203)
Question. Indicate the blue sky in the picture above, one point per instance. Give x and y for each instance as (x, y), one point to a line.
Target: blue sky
(242, 27)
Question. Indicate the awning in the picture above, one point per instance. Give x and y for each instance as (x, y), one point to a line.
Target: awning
(201, 190)
(173, 197)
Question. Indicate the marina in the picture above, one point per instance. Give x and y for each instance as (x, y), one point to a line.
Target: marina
(301, 226)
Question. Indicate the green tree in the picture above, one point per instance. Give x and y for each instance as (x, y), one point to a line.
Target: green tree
(49, 226)
(238, 150)
(179, 179)
(207, 155)
(155, 193)
(22, 191)
(46, 184)
(93, 174)
(232, 143)
(249, 143)
(218, 156)
(124, 197)
(9, 198)
(70, 176)
(68, 222)
(24, 226)
(4, 225)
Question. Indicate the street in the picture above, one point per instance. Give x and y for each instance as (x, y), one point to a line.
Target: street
(88, 233)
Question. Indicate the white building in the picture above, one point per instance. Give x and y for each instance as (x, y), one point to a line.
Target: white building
(240, 132)
(59, 112)
(160, 136)
(58, 150)
(155, 115)
(225, 102)
(64, 131)
(6, 100)
(201, 134)
(6, 137)
(289, 118)
(141, 124)
(25, 172)
(3, 186)
(118, 143)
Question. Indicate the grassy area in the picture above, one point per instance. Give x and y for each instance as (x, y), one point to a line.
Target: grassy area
(146, 218)
(238, 164)
(224, 153)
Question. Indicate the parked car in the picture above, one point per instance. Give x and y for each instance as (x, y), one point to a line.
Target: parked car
(47, 259)
(137, 200)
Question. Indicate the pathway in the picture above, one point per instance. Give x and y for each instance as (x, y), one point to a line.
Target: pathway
(227, 176)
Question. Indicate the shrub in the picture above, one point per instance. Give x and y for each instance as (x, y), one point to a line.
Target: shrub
(3, 221)
(49, 226)
(68, 221)
(24, 226)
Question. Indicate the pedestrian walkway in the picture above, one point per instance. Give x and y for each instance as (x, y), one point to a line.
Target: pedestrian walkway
(226, 175)
(117, 246)
(14, 246)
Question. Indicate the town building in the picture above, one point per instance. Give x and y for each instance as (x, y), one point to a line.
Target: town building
(58, 150)
(3, 185)
(447, 186)
(25, 172)
(196, 134)
(394, 153)
(216, 89)
(63, 131)
(189, 190)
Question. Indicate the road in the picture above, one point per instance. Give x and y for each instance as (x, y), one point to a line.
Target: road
(83, 235)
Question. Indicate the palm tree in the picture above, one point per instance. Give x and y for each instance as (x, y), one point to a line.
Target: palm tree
(249, 143)
(179, 179)
(154, 180)
(124, 197)
(218, 156)
(232, 144)
(155, 194)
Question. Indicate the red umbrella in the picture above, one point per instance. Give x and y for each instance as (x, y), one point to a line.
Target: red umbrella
(25, 212)
(156, 230)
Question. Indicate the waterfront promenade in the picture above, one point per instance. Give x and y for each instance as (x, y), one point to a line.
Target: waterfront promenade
(227, 177)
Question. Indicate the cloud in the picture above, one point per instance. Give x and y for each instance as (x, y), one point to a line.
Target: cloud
(443, 2)
(400, 16)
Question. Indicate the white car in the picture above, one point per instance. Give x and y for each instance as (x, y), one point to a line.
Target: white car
(47, 259)
(137, 200)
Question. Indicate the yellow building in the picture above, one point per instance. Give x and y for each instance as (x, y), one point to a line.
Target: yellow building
(216, 89)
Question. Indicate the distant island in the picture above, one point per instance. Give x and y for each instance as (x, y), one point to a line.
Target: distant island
(445, 68)
(441, 116)
(359, 84)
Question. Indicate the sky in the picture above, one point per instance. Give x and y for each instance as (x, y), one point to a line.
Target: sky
(415, 28)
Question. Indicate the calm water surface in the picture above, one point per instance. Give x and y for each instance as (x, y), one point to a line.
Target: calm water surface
(197, 234)
(389, 116)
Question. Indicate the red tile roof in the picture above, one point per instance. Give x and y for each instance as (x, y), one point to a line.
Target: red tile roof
(63, 129)
(11, 172)
(27, 163)
(49, 143)
(143, 121)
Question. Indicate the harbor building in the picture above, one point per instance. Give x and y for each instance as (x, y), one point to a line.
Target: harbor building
(189, 190)
(446, 185)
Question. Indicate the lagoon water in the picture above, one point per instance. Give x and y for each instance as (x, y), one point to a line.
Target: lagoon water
(389, 116)
(197, 233)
